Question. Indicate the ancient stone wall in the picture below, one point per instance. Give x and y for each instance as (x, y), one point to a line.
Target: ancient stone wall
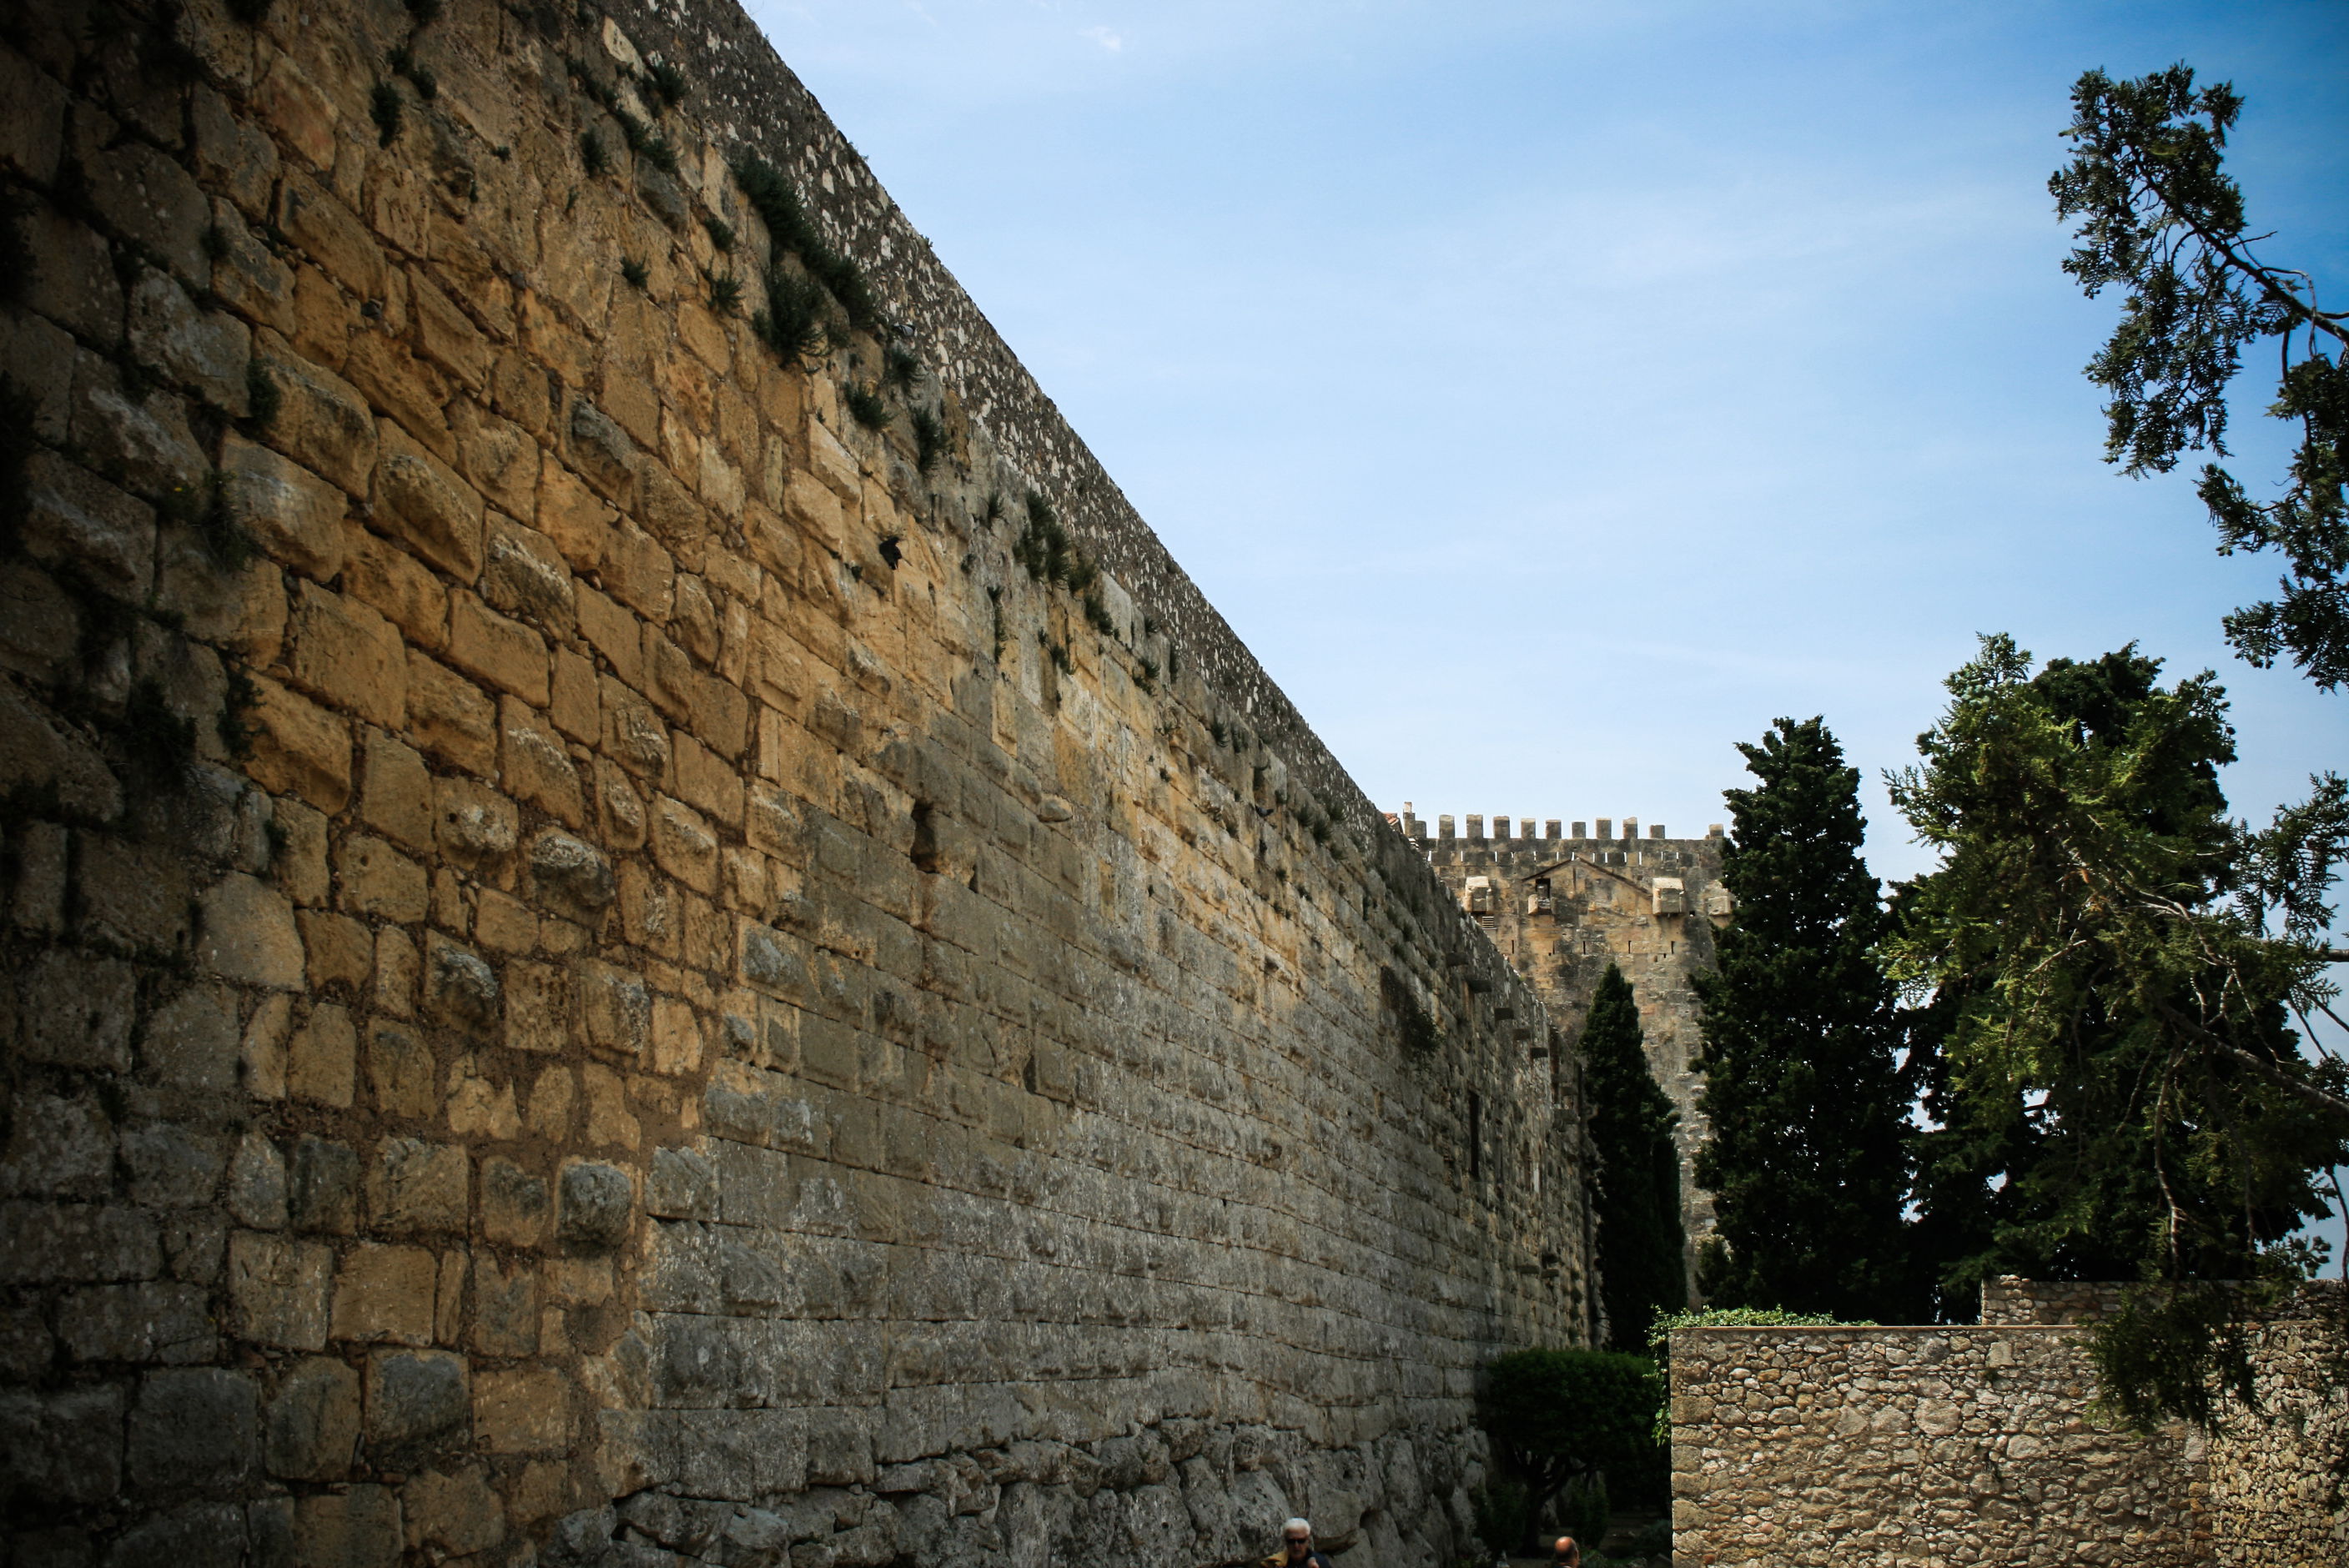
(1561, 903)
(1959, 1446)
(607, 959)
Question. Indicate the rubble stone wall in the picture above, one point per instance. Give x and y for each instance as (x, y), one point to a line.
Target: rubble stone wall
(1964, 1445)
(595, 971)
(1943, 1445)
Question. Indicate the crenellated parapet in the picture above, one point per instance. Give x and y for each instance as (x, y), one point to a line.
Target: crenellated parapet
(1563, 898)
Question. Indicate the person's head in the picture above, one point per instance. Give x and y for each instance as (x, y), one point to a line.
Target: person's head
(1296, 1539)
(1567, 1550)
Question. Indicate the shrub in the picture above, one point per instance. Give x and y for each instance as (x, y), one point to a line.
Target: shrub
(1584, 1511)
(792, 322)
(870, 409)
(1505, 1515)
(384, 108)
(771, 195)
(929, 440)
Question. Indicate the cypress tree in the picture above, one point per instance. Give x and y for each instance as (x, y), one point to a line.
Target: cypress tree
(1641, 1267)
(1808, 1154)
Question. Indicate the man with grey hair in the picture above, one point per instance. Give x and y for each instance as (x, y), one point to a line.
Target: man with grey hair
(1297, 1548)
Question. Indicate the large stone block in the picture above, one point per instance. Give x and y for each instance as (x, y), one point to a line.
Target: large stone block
(343, 650)
(32, 118)
(77, 1010)
(451, 718)
(537, 767)
(247, 933)
(358, 1527)
(322, 1058)
(322, 422)
(63, 1448)
(423, 500)
(206, 351)
(506, 654)
(323, 1186)
(277, 1290)
(333, 236)
(313, 1427)
(415, 1186)
(293, 515)
(193, 1433)
(58, 1148)
(523, 1410)
(385, 1294)
(154, 1322)
(298, 747)
(416, 1401)
(598, 1203)
(73, 518)
(144, 195)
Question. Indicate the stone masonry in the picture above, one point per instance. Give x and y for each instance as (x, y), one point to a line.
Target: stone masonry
(1956, 1446)
(1563, 903)
(595, 970)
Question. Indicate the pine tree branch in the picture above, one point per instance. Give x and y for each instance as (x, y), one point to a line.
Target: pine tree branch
(2274, 291)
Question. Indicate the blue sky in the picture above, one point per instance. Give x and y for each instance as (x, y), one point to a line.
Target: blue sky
(1552, 395)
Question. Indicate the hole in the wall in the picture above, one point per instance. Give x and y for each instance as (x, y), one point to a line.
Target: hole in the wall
(926, 837)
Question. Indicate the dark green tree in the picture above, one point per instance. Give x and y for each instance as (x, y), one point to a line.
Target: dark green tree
(1642, 1263)
(1807, 1158)
(1555, 1416)
(2159, 219)
(2106, 1053)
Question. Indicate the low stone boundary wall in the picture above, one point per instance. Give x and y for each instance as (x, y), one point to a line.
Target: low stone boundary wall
(1943, 1446)
(1958, 1445)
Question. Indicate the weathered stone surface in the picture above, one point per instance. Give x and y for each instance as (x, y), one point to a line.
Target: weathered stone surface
(597, 1200)
(415, 1186)
(323, 1186)
(195, 1431)
(292, 514)
(206, 350)
(74, 518)
(415, 1400)
(76, 1010)
(624, 828)
(426, 504)
(313, 1428)
(277, 1290)
(322, 422)
(64, 1448)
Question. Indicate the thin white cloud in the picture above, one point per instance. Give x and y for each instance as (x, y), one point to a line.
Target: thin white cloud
(1104, 37)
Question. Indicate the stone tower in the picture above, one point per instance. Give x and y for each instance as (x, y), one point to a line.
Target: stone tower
(1562, 903)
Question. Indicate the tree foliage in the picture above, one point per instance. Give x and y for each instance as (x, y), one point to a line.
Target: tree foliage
(2106, 1052)
(1807, 1157)
(2159, 218)
(1642, 1263)
(1554, 1415)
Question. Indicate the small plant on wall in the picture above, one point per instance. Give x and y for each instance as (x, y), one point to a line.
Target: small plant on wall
(792, 322)
(929, 439)
(866, 404)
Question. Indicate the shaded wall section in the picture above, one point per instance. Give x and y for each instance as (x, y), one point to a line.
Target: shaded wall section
(608, 958)
(1562, 903)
